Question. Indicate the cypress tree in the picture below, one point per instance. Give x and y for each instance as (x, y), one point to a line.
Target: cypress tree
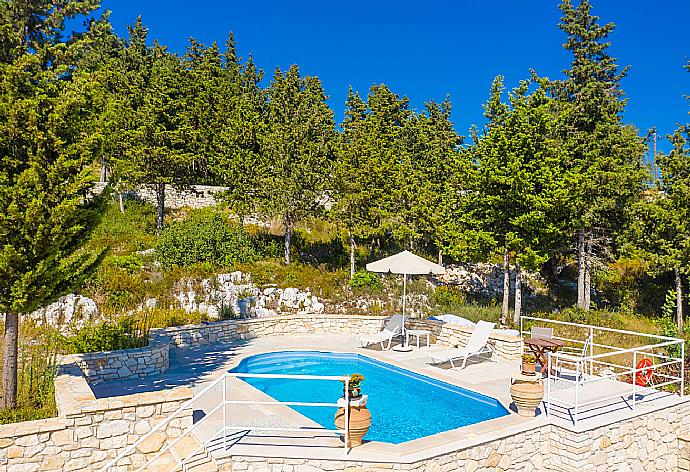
(46, 114)
(603, 170)
(297, 145)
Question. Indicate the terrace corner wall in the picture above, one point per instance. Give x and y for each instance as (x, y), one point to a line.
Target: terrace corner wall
(124, 364)
(88, 431)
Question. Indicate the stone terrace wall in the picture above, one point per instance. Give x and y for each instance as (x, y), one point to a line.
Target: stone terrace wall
(231, 330)
(88, 431)
(684, 453)
(198, 196)
(649, 442)
(505, 346)
(119, 365)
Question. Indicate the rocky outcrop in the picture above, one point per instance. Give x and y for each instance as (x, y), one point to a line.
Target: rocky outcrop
(234, 294)
(485, 279)
(70, 312)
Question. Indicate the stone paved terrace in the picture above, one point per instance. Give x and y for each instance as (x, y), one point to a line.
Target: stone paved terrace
(622, 435)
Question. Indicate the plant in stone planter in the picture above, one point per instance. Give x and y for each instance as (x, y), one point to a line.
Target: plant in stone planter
(354, 386)
(529, 364)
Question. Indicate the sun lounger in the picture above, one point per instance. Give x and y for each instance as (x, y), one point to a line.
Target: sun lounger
(477, 345)
(392, 328)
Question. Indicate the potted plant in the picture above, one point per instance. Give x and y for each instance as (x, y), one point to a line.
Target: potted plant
(359, 417)
(355, 391)
(529, 364)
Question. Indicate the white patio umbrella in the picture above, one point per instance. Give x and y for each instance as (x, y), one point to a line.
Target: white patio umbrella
(405, 263)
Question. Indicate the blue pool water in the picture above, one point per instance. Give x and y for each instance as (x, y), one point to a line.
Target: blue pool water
(404, 405)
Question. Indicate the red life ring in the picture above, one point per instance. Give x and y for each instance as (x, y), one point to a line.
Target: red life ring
(643, 377)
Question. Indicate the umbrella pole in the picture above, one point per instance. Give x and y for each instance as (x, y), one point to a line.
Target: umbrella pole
(403, 307)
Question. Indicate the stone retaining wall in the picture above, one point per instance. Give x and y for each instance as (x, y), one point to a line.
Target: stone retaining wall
(649, 442)
(88, 431)
(505, 346)
(684, 453)
(197, 196)
(119, 365)
(154, 358)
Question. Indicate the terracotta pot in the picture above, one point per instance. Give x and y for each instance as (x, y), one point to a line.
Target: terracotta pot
(360, 421)
(529, 368)
(527, 395)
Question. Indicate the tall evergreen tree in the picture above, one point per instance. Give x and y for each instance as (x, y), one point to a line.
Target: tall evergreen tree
(237, 160)
(46, 114)
(603, 156)
(351, 193)
(298, 146)
(519, 195)
(150, 145)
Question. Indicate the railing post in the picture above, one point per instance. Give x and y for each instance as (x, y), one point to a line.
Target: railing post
(577, 389)
(225, 412)
(634, 381)
(682, 368)
(591, 350)
(548, 384)
(347, 414)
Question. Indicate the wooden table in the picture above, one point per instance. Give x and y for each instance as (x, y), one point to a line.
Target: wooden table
(540, 346)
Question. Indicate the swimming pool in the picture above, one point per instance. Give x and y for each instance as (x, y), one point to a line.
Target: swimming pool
(404, 405)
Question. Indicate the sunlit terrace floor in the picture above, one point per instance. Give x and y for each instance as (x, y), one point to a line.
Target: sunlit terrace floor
(196, 367)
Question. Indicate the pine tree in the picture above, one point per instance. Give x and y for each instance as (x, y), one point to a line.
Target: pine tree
(603, 171)
(150, 146)
(46, 117)
(351, 198)
(237, 160)
(297, 145)
(519, 195)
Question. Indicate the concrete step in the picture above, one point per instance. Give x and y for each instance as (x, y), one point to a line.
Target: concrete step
(200, 462)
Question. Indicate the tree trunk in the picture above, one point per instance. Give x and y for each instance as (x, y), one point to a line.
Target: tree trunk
(104, 171)
(9, 366)
(352, 254)
(288, 239)
(440, 256)
(679, 302)
(506, 287)
(588, 272)
(581, 269)
(160, 200)
(518, 294)
(121, 201)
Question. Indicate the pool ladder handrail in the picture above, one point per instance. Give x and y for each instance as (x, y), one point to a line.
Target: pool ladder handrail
(223, 379)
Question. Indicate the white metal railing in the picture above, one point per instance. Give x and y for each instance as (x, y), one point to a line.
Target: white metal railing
(611, 364)
(226, 429)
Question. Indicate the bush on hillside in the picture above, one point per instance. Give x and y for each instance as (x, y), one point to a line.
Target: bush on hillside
(125, 333)
(364, 278)
(206, 237)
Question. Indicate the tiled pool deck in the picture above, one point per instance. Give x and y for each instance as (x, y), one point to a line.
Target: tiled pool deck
(198, 366)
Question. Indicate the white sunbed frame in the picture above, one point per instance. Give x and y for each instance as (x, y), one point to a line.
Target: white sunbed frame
(392, 329)
(477, 345)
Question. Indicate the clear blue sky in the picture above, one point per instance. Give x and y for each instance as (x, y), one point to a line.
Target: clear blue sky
(427, 50)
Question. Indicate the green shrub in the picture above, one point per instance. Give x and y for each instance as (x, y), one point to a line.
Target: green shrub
(207, 237)
(364, 278)
(166, 317)
(667, 322)
(125, 333)
(448, 297)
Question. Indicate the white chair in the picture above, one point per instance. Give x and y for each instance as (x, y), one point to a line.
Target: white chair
(392, 328)
(477, 345)
(573, 356)
(541, 333)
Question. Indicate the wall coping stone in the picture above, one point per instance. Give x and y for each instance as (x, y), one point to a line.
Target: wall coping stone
(25, 428)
